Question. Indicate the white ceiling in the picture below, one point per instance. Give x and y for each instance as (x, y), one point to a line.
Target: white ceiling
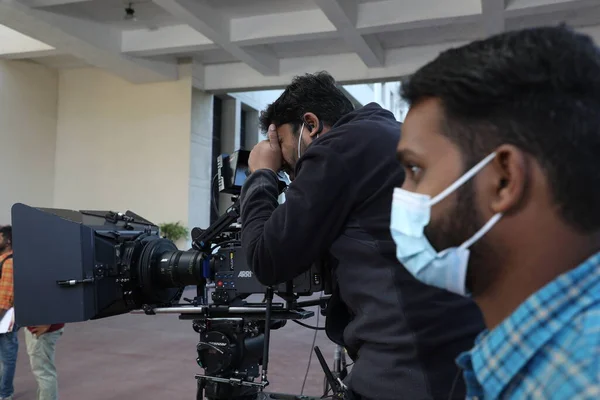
(256, 44)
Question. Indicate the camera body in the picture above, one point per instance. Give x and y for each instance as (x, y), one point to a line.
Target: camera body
(233, 278)
(97, 264)
(85, 265)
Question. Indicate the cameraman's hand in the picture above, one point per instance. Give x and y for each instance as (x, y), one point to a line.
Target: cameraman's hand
(267, 154)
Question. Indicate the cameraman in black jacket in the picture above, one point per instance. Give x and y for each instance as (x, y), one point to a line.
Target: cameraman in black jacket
(404, 335)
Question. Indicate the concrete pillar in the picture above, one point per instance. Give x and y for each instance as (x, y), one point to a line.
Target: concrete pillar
(253, 134)
(231, 125)
(230, 138)
(200, 155)
(28, 113)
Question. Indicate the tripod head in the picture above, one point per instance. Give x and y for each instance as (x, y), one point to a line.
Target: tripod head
(234, 344)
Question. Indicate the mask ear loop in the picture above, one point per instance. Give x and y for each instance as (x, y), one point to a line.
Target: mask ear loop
(461, 181)
(480, 233)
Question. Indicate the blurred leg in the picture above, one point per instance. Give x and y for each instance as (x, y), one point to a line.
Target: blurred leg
(41, 356)
(9, 348)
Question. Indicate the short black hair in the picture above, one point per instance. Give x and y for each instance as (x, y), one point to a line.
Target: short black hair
(315, 93)
(6, 232)
(537, 89)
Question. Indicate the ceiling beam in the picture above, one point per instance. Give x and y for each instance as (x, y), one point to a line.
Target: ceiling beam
(15, 45)
(492, 16)
(347, 68)
(176, 39)
(372, 17)
(200, 16)
(342, 15)
(50, 3)
(91, 42)
(282, 27)
(517, 8)
(388, 15)
(20, 55)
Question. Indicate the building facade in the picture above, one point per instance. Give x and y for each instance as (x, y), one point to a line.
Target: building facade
(83, 138)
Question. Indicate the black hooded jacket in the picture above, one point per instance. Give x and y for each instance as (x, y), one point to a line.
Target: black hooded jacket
(406, 335)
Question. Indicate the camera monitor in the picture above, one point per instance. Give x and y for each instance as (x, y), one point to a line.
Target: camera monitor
(233, 171)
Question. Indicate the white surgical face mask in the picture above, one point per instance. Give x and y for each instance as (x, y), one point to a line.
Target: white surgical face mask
(411, 212)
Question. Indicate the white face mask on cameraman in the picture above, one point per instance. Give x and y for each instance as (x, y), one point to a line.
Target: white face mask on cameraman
(411, 212)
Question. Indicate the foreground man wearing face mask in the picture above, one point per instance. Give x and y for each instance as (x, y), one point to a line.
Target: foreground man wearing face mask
(501, 148)
(402, 334)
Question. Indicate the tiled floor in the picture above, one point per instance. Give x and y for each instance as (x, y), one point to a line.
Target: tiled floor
(154, 357)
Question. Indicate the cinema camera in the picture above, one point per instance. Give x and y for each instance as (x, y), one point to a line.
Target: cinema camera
(86, 265)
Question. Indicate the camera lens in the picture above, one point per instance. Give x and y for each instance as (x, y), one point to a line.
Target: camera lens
(180, 268)
(163, 270)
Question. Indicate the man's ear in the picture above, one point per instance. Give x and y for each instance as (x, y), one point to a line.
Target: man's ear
(511, 173)
(313, 124)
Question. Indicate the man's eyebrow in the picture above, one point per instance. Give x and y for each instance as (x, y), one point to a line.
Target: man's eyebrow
(403, 154)
(400, 156)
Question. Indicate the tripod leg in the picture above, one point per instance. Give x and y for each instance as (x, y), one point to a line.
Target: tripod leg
(343, 364)
(200, 391)
(325, 387)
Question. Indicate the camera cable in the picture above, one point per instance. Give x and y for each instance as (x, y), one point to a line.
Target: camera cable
(215, 195)
(315, 328)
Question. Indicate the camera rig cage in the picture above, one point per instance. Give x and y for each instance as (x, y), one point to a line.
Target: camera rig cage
(97, 264)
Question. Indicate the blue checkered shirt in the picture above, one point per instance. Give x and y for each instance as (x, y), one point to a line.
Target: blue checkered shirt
(549, 348)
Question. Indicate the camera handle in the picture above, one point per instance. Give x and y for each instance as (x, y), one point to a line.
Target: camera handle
(202, 238)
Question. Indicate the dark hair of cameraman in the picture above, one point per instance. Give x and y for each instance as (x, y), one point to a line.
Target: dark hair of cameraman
(402, 334)
(310, 100)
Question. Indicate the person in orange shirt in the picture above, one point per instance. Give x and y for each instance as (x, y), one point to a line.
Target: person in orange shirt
(9, 344)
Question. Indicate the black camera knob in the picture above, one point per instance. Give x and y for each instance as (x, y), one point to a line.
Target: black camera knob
(216, 353)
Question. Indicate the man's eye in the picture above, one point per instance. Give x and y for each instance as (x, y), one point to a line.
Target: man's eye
(413, 170)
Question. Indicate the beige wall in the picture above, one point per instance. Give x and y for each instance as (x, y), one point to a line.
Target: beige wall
(28, 100)
(122, 146)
